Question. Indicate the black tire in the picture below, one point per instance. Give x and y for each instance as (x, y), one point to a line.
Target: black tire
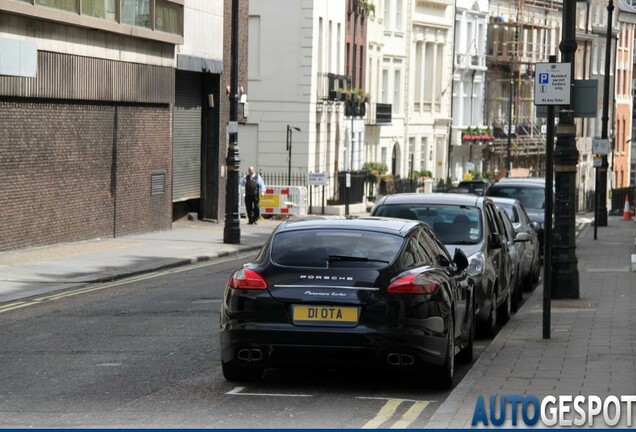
(516, 294)
(234, 373)
(489, 327)
(505, 310)
(519, 295)
(444, 378)
(466, 355)
(536, 272)
(528, 281)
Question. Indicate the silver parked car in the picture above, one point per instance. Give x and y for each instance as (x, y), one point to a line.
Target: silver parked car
(531, 255)
(516, 250)
(531, 193)
(470, 223)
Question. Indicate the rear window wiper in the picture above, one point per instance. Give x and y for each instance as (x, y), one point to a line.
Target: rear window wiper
(333, 258)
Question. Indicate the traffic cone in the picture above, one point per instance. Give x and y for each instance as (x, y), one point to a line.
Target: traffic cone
(627, 213)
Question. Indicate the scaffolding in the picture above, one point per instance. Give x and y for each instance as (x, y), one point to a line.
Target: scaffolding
(520, 34)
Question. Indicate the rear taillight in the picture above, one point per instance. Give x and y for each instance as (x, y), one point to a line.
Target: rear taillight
(413, 284)
(247, 279)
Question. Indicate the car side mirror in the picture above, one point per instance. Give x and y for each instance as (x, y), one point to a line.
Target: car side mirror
(460, 259)
(522, 237)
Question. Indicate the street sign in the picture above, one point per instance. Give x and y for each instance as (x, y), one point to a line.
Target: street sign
(600, 146)
(552, 82)
(317, 179)
(597, 161)
(585, 100)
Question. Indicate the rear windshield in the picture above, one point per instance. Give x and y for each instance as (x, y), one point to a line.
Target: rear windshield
(454, 224)
(333, 248)
(530, 197)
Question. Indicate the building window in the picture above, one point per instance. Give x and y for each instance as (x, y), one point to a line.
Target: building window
(67, 5)
(397, 92)
(439, 78)
(385, 86)
(419, 76)
(164, 16)
(168, 17)
(398, 15)
(135, 13)
(429, 62)
(105, 9)
(411, 154)
(423, 153)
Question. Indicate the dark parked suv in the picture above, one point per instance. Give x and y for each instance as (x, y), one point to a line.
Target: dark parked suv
(530, 192)
(472, 224)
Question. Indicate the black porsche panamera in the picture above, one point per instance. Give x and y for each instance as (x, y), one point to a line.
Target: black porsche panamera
(377, 292)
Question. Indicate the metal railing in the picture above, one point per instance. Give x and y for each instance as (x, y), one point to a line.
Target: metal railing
(329, 85)
(335, 192)
(379, 114)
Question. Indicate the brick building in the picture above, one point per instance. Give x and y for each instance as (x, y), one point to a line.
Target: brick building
(112, 117)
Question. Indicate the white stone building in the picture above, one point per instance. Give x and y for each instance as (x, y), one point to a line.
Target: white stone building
(296, 56)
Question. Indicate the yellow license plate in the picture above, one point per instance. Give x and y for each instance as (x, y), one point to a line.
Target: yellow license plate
(324, 314)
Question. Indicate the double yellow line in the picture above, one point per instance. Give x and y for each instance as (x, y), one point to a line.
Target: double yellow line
(19, 304)
(389, 409)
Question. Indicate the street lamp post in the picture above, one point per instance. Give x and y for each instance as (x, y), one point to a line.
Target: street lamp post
(290, 129)
(509, 142)
(565, 274)
(232, 229)
(600, 219)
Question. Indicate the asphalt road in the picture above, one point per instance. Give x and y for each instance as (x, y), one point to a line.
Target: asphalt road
(143, 353)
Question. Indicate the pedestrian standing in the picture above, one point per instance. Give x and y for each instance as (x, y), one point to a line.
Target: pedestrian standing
(254, 187)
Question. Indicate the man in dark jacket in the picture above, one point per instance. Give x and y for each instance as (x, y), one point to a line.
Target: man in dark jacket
(254, 187)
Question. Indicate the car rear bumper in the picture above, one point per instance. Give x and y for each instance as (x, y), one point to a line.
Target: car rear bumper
(263, 345)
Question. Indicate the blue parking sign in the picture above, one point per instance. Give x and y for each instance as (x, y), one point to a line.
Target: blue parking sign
(544, 78)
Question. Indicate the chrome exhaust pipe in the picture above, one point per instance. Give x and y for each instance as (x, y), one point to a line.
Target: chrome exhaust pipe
(250, 355)
(397, 359)
(256, 354)
(244, 355)
(393, 359)
(407, 360)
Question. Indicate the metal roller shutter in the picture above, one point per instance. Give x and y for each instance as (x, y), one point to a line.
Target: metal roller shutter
(186, 151)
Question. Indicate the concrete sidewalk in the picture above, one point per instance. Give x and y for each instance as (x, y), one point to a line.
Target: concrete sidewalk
(35, 271)
(592, 345)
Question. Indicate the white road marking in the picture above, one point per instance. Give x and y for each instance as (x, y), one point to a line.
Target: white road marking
(238, 391)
